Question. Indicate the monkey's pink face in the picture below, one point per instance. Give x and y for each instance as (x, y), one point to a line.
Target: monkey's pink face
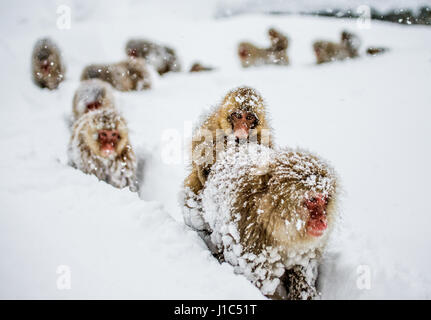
(242, 122)
(317, 222)
(108, 140)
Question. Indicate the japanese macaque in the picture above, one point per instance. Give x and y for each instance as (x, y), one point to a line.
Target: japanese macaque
(269, 213)
(373, 51)
(326, 51)
(128, 75)
(250, 55)
(91, 95)
(100, 146)
(47, 66)
(197, 67)
(162, 58)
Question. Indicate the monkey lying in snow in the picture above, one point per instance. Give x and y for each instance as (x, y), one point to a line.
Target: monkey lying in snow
(250, 55)
(91, 95)
(162, 58)
(269, 214)
(47, 66)
(326, 51)
(100, 145)
(128, 75)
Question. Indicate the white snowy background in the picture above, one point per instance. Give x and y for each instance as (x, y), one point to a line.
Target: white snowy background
(369, 117)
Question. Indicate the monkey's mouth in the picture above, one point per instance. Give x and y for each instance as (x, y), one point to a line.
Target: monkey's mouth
(315, 232)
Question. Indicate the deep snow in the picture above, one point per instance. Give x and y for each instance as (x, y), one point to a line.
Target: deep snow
(369, 117)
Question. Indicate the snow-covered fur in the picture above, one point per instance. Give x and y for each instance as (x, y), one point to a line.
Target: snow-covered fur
(251, 214)
(162, 58)
(47, 65)
(92, 91)
(131, 74)
(119, 168)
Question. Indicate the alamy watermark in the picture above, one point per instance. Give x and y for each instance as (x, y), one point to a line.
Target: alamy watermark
(64, 277)
(64, 17)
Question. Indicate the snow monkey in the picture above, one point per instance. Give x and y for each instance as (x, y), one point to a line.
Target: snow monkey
(239, 118)
(269, 214)
(92, 94)
(100, 145)
(47, 66)
(326, 51)
(197, 67)
(250, 55)
(162, 58)
(373, 51)
(128, 75)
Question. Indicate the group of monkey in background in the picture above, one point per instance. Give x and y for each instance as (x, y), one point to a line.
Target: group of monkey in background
(325, 51)
(268, 212)
(133, 73)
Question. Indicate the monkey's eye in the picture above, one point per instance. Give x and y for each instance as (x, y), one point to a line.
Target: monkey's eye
(103, 134)
(313, 199)
(237, 115)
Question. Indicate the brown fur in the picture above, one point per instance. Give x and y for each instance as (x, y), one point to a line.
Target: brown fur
(220, 120)
(250, 55)
(85, 154)
(89, 91)
(46, 52)
(265, 205)
(326, 51)
(162, 58)
(128, 75)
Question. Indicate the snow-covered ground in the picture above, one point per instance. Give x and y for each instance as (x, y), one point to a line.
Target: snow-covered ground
(369, 117)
